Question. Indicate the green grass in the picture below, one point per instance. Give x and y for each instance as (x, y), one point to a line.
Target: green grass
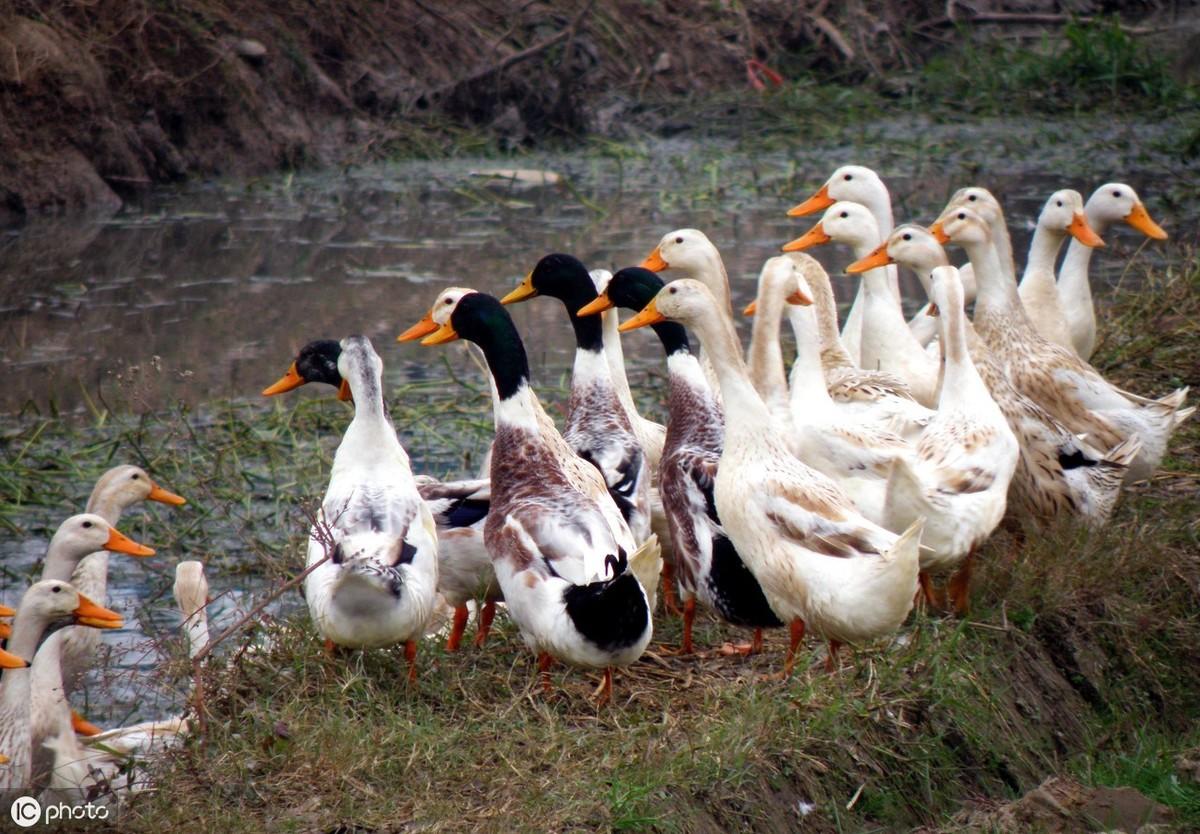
(1081, 655)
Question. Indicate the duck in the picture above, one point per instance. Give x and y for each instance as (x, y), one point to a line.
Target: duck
(856, 454)
(1051, 375)
(373, 551)
(887, 343)
(709, 567)
(1057, 474)
(690, 253)
(459, 508)
(862, 394)
(118, 489)
(596, 426)
(1111, 203)
(1062, 215)
(76, 539)
(822, 566)
(100, 768)
(43, 603)
(959, 476)
(573, 578)
(862, 185)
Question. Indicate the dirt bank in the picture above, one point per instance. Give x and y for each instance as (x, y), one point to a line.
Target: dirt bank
(100, 100)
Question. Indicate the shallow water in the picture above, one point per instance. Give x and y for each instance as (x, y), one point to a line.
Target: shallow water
(206, 292)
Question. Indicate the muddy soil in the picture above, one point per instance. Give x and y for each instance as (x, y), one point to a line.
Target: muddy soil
(101, 100)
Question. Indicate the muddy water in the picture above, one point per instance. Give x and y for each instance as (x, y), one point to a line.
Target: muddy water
(208, 291)
(205, 293)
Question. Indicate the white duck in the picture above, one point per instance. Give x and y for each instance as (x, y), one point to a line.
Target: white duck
(117, 490)
(103, 768)
(888, 343)
(858, 455)
(459, 508)
(573, 578)
(865, 396)
(1062, 215)
(1053, 376)
(690, 254)
(856, 184)
(378, 584)
(710, 568)
(1112, 203)
(959, 478)
(819, 562)
(1057, 474)
(43, 603)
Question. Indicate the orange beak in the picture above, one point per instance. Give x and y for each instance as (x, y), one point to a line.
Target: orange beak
(751, 308)
(82, 726)
(3, 759)
(818, 201)
(878, 257)
(524, 291)
(164, 496)
(597, 305)
(649, 315)
(939, 233)
(344, 392)
(799, 298)
(654, 262)
(813, 237)
(89, 613)
(444, 334)
(1082, 232)
(8, 660)
(5, 631)
(120, 543)
(1139, 218)
(5, 611)
(287, 382)
(419, 330)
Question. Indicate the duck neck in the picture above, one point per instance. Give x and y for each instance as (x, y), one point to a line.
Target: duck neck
(1043, 250)
(371, 435)
(1003, 244)
(745, 411)
(104, 504)
(62, 557)
(961, 381)
(616, 362)
(808, 379)
(711, 273)
(1073, 277)
(27, 630)
(996, 293)
(513, 400)
(833, 352)
(766, 355)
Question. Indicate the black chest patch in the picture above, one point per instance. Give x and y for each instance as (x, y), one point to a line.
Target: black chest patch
(735, 591)
(610, 613)
(466, 512)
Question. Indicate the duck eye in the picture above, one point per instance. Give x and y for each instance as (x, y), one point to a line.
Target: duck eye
(1116, 193)
(972, 197)
(848, 177)
(679, 240)
(1058, 203)
(961, 216)
(57, 589)
(673, 290)
(908, 237)
(135, 476)
(87, 525)
(845, 214)
(448, 301)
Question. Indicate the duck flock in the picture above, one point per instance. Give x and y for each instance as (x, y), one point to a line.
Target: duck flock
(828, 499)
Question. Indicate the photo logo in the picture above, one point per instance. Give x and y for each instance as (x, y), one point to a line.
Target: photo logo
(26, 811)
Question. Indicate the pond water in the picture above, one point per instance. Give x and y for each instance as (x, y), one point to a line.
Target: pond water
(204, 293)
